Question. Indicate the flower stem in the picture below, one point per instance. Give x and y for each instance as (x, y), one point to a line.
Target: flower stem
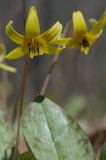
(21, 106)
(53, 63)
(46, 81)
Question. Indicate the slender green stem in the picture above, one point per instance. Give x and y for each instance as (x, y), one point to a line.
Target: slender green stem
(22, 91)
(53, 63)
(21, 106)
(18, 97)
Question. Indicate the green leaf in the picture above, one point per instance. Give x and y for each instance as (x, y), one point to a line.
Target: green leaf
(26, 156)
(103, 152)
(7, 138)
(12, 154)
(53, 135)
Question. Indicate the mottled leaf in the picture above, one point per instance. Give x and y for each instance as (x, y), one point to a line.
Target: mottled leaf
(12, 155)
(7, 137)
(103, 152)
(52, 134)
(26, 156)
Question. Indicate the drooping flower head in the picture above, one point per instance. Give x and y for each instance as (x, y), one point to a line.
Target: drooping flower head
(33, 43)
(83, 39)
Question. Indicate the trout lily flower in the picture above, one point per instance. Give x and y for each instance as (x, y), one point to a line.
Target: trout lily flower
(83, 39)
(33, 43)
(2, 54)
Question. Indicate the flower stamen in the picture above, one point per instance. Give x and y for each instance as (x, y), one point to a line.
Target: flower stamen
(33, 47)
(29, 47)
(38, 48)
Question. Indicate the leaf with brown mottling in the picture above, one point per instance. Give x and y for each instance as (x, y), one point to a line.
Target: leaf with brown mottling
(103, 151)
(51, 134)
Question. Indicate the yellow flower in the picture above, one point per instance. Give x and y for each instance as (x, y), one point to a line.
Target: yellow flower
(2, 54)
(33, 43)
(83, 39)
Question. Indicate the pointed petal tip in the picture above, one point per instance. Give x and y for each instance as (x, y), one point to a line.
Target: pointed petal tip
(8, 68)
(7, 57)
(58, 23)
(8, 25)
(32, 28)
(10, 22)
(59, 26)
(98, 28)
(17, 53)
(51, 34)
(77, 12)
(33, 8)
(85, 50)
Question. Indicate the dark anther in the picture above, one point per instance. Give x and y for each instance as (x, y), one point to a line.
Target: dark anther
(85, 43)
(29, 44)
(29, 47)
(37, 48)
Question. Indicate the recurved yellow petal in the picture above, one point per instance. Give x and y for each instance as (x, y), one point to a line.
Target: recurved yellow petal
(51, 34)
(91, 39)
(32, 28)
(7, 68)
(79, 24)
(97, 29)
(68, 42)
(17, 53)
(13, 35)
(93, 22)
(48, 49)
